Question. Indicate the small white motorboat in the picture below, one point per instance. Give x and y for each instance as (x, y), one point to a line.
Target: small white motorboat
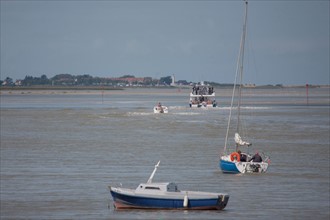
(160, 109)
(165, 196)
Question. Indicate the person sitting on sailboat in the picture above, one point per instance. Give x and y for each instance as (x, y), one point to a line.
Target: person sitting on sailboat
(256, 158)
(242, 156)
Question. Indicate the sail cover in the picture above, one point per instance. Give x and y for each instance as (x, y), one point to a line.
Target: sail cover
(239, 140)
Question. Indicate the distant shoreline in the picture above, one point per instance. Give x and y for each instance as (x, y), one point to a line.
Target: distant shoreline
(59, 88)
(221, 91)
(78, 88)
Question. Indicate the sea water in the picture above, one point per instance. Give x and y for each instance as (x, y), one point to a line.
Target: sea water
(60, 150)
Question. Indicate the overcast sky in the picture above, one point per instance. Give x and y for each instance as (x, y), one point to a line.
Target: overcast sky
(288, 41)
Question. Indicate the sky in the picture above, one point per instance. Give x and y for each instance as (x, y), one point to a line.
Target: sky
(287, 41)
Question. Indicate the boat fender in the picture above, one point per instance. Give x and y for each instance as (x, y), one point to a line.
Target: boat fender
(235, 156)
(185, 201)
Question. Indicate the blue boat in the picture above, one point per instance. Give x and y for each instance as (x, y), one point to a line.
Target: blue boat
(165, 196)
(228, 167)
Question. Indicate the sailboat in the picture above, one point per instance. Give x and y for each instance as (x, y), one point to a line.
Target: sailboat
(236, 161)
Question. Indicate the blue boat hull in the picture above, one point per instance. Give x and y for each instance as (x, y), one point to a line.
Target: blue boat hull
(228, 167)
(122, 201)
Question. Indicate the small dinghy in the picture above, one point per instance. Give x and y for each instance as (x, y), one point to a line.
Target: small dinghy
(160, 109)
(166, 196)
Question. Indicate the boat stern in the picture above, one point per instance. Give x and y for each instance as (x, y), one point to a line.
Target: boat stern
(222, 201)
(228, 166)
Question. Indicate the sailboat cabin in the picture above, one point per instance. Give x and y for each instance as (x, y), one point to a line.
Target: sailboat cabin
(152, 187)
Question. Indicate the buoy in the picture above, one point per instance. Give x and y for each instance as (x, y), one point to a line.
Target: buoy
(185, 201)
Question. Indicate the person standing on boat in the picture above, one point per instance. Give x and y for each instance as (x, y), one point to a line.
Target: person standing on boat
(193, 89)
(214, 103)
(256, 158)
(210, 90)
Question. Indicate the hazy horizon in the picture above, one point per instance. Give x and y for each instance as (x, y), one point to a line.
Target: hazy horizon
(287, 43)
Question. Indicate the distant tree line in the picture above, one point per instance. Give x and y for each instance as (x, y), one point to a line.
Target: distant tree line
(85, 80)
(66, 79)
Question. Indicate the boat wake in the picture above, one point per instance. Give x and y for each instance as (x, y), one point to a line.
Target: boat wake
(140, 113)
(245, 107)
(187, 113)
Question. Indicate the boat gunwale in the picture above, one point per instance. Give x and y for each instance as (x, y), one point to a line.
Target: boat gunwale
(192, 195)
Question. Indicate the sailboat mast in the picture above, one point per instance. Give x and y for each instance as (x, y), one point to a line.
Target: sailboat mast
(241, 68)
(239, 71)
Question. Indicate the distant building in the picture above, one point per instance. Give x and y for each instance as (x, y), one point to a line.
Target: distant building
(8, 82)
(18, 83)
(173, 80)
(182, 82)
(249, 85)
(131, 80)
